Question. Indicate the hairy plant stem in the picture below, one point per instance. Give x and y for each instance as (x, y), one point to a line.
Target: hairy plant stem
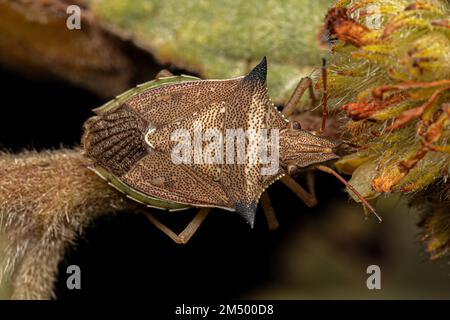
(47, 199)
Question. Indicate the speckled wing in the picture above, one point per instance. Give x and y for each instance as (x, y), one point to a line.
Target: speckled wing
(115, 140)
(173, 102)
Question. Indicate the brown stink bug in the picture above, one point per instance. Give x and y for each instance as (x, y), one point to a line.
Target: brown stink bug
(132, 142)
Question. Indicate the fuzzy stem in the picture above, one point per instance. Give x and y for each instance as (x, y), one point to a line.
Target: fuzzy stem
(46, 200)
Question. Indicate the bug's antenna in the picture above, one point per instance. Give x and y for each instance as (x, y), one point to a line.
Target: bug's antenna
(348, 185)
(324, 95)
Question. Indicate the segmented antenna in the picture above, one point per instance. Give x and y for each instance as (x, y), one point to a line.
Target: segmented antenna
(324, 95)
(348, 185)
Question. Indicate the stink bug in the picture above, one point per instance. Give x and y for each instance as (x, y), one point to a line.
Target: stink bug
(131, 143)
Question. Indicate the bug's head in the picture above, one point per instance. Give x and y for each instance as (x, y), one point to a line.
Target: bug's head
(301, 148)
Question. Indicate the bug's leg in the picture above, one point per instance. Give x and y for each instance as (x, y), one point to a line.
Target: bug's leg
(349, 186)
(187, 233)
(269, 212)
(163, 73)
(302, 86)
(311, 183)
(308, 198)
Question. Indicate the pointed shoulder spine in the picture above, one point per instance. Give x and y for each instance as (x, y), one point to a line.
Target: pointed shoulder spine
(259, 73)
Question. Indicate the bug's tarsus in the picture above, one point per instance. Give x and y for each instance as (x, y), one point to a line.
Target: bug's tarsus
(349, 186)
(324, 96)
(184, 236)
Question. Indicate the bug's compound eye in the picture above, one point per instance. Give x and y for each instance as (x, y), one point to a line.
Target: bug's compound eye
(296, 125)
(292, 169)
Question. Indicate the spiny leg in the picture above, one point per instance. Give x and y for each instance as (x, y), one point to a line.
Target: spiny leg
(163, 73)
(187, 233)
(308, 198)
(269, 212)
